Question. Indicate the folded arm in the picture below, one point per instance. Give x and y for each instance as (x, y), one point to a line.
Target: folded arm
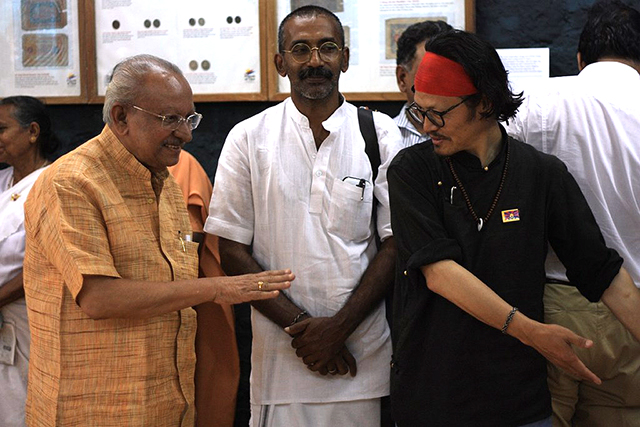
(236, 259)
(319, 339)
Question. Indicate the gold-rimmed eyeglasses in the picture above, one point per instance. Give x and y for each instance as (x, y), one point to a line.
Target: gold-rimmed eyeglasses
(301, 52)
(173, 121)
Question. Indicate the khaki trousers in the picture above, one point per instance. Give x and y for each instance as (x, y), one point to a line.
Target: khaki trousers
(614, 358)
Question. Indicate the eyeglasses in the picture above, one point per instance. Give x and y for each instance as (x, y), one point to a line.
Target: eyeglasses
(435, 117)
(301, 52)
(173, 121)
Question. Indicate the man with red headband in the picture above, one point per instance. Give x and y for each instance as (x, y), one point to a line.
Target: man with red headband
(473, 214)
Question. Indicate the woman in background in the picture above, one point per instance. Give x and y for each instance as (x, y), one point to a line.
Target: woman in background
(26, 145)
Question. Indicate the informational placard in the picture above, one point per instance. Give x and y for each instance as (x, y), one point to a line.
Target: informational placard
(372, 29)
(215, 43)
(525, 65)
(40, 48)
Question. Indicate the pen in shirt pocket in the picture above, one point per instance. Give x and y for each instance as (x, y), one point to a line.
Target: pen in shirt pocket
(358, 182)
(187, 238)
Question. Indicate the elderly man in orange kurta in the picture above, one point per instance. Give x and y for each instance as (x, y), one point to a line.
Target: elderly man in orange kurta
(111, 268)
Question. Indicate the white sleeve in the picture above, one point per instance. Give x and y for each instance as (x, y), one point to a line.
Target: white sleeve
(389, 143)
(231, 212)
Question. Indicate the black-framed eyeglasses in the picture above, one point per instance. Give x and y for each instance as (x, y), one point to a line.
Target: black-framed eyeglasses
(435, 117)
(301, 52)
(173, 121)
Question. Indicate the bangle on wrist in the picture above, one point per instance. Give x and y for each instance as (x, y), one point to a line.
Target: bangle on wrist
(509, 319)
(298, 317)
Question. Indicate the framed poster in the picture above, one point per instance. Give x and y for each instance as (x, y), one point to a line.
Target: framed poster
(42, 50)
(372, 28)
(216, 43)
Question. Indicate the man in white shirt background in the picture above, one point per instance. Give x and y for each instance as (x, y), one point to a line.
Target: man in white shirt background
(592, 122)
(294, 185)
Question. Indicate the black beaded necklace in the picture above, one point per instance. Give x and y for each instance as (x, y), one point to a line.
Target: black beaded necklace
(480, 221)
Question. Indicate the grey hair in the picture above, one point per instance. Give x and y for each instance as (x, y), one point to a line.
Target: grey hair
(127, 76)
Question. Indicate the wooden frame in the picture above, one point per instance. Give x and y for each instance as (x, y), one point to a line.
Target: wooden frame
(262, 95)
(273, 81)
(82, 47)
(92, 71)
(269, 82)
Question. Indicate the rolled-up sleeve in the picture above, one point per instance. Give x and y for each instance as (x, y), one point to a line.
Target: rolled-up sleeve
(416, 216)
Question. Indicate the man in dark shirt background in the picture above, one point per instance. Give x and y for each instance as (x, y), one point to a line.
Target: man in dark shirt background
(473, 214)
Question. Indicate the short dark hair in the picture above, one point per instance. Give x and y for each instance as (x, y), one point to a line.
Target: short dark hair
(27, 110)
(416, 33)
(483, 65)
(612, 30)
(309, 12)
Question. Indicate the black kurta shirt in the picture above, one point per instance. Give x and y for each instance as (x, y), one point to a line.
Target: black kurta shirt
(450, 369)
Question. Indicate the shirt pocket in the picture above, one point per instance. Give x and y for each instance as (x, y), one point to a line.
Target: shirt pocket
(188, 260)
(350, 211)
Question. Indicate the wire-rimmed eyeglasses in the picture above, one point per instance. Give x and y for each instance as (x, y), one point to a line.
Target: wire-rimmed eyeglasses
(435, 117)
(301, 52)
(173, 121)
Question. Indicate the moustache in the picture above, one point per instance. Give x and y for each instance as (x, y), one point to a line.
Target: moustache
(315, 72)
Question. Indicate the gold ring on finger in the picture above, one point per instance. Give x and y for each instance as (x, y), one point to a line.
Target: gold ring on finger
(260, 285)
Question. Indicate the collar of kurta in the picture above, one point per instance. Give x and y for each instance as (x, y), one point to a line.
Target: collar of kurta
(111, 144)
(333, 123)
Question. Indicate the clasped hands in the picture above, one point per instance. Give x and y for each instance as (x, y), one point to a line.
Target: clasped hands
(320, 343)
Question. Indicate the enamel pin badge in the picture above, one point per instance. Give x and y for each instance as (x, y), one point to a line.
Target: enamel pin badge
(510, 215)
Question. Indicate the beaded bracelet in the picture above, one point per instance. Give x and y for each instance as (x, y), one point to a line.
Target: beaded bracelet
(509, 318)
(298, 317)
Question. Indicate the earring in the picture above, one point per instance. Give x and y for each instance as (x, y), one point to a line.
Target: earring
(33, 139)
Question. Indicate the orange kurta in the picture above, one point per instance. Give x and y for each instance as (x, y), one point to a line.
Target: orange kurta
(94, 212)
(217, 366)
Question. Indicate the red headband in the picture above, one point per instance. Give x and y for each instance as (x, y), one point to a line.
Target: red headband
(441, 76)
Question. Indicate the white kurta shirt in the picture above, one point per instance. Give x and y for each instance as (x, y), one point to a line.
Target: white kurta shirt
(12, 233)
(592, 123)
(302, 208)
(13, 378)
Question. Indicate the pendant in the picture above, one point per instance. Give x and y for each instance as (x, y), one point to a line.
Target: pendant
(480, 224)
(15, 196)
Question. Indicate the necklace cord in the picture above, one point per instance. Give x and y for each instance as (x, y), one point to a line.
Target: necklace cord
(466, 196)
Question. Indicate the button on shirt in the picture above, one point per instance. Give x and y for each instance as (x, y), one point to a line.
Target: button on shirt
(88, 214)
(309, 210)
(604, 157)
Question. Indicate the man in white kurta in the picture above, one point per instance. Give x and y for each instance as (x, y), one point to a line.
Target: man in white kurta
(294, 187)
